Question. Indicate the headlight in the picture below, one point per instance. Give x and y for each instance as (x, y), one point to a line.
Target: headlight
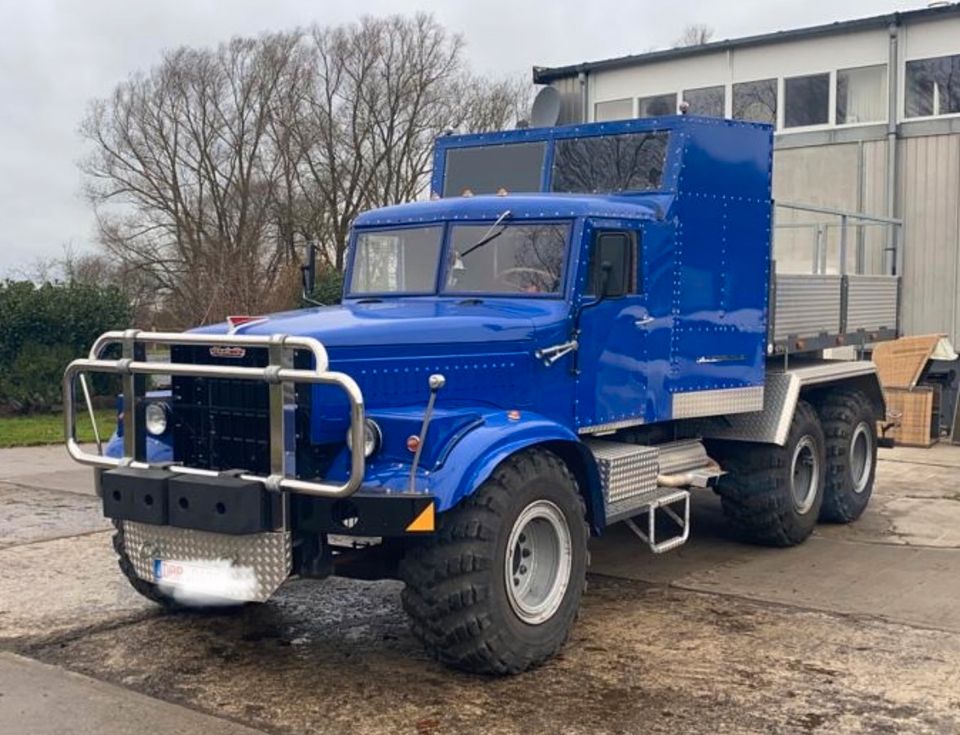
(371, 437)
(155, 418)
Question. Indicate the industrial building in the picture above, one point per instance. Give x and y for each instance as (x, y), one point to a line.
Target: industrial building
(867, 119)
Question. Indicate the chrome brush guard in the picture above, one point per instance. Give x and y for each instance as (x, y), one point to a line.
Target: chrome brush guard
(278, 374)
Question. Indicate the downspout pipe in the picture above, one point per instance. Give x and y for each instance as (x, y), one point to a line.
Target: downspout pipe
(895, 258)
(583, 78)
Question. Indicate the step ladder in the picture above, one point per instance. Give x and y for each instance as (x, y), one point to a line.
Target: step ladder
(628, 475)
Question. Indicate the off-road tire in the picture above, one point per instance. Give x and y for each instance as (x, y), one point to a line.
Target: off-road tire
(842, 414)
(455, 590)
(148, 589)
(756, 491)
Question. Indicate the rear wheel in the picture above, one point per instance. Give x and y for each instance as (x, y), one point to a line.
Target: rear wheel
(850, 427)
(772, 495)
(498, 588)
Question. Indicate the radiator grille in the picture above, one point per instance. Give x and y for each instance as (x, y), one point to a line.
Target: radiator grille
(224, 424)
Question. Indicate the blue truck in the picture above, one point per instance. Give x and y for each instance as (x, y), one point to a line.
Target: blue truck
(582, 326)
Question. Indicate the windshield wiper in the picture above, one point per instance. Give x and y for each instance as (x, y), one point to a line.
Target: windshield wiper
(488, 236)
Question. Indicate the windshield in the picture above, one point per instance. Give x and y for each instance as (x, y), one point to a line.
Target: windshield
(514, 258)
(402, 261)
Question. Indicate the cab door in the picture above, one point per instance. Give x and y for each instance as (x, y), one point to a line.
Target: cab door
(613, 356)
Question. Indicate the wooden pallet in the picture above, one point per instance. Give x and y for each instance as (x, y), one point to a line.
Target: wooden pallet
(913, 411)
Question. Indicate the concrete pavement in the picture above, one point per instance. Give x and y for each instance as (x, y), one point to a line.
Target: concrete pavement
(39, 699)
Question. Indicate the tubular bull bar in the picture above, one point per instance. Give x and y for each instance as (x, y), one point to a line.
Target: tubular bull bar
(279, 374)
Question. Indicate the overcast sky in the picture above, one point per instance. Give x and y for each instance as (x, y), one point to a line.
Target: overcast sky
(56, 55)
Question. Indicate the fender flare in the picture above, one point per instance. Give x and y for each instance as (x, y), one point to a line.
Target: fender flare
(473, 459)
(783, 389)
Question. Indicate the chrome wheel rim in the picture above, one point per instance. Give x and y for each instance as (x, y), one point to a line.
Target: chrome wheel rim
(538, 562)
(861, 457)
(805, 474)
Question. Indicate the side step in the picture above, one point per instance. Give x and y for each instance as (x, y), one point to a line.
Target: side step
(652, 480)
(665, 501)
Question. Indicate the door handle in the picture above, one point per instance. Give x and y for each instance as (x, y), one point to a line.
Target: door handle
(643, 322)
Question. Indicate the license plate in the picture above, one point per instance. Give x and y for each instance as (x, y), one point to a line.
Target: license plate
(205, 581)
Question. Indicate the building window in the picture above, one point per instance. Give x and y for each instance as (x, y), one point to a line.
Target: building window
(707, 101)
(806, 100)
(613, 110)
(933, 86)
(755, 101)
(861, 94)
(658, 105)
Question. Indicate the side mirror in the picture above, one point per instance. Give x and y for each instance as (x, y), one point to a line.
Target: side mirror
(308, 274)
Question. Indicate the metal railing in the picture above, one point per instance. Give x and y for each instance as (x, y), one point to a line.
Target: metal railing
(278, 374)
(820, 229)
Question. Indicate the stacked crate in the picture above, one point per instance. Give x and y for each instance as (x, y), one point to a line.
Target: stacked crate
(913, 409)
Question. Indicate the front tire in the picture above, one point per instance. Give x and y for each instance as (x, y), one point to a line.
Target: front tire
(772, 495)
(497, 590)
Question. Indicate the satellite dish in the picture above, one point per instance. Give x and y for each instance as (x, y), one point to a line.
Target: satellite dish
(546, 108)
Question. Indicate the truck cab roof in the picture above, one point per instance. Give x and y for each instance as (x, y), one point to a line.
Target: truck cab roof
(521, 206)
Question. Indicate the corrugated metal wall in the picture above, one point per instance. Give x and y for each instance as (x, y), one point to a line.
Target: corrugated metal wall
(930, 202)
(571, 100)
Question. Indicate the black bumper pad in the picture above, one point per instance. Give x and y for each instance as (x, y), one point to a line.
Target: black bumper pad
(160, 497)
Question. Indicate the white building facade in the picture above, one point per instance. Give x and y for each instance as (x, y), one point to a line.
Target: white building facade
(867, 116)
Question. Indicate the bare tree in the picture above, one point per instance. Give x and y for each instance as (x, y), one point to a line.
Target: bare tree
(210, 171)
(695, 34)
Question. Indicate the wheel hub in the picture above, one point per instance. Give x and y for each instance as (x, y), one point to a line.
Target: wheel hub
(861, 457)
(805, 474)
(538, 562)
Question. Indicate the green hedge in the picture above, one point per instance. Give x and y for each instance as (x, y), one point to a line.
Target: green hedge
(42, 328)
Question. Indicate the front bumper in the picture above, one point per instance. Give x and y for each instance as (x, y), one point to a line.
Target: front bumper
(232, 506)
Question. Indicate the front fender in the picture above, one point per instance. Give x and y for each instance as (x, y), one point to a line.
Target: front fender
(472, 460)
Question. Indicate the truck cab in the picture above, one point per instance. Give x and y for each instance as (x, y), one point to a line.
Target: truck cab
(573, 330)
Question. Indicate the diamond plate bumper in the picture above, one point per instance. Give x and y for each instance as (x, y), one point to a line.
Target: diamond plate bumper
(268, 554)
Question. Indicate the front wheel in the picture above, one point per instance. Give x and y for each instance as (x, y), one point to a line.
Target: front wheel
(497, 590)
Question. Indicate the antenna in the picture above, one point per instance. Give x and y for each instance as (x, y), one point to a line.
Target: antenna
(546, 108)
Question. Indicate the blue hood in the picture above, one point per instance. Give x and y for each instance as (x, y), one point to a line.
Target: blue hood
(412, 321)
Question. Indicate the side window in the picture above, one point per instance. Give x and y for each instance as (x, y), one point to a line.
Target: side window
(618, 251)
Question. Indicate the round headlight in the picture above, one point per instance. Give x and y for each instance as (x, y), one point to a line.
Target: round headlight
(155, 418)
(371, 437)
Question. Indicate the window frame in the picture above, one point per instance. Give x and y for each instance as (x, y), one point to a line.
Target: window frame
(903, 88)
(703, 88)
(446, 263)
(885, 102)
(831, 98)
(629, 100)
(634, 287)
(349, 293)
(639, 105)
(777, 94)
